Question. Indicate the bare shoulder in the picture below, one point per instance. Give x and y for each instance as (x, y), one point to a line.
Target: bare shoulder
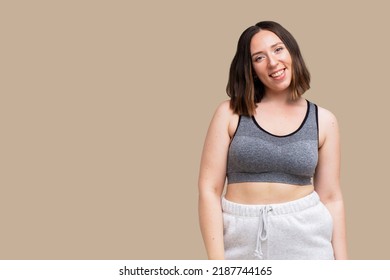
(224, 108)
(225, 117)
(328, 125)
(326, 117)
(224, 112)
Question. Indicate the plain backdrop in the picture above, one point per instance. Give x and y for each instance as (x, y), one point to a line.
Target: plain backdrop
(104, 106)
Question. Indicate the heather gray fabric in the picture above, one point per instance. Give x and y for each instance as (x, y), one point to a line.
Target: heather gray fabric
(297, 230)
(256, 155)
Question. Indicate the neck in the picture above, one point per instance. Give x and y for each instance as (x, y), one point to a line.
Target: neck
(277, 96)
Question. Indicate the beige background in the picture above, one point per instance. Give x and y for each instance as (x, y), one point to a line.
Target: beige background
(105, 105)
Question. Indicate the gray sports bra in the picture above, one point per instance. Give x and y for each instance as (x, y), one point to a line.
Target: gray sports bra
(256, 155)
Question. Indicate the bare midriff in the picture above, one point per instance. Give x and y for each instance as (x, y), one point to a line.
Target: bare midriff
(265, 193)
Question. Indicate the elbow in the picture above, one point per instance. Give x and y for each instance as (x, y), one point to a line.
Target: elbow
(209, 199)
(210, 189)
(332, 195)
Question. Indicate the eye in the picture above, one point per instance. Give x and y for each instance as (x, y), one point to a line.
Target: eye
(259, 58)
(279, 49)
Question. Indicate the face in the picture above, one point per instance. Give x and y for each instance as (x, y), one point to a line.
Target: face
(271, 61)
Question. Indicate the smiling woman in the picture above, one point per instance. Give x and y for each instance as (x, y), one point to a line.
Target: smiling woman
(271, 61)
(280, 155)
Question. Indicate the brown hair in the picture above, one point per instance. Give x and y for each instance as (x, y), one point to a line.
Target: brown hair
(245, 91)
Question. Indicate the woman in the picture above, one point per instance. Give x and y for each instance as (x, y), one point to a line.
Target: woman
(280, 154)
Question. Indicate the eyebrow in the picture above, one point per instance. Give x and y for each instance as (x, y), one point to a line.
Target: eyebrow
(274, 45)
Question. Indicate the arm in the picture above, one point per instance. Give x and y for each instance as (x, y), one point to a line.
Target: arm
(212, 180)
(327, 179)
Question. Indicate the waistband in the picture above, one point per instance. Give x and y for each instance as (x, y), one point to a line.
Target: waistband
(255, 210)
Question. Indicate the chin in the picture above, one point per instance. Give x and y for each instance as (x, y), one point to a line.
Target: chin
(280, 88)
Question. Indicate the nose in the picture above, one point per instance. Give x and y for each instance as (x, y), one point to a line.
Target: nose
(272, 61)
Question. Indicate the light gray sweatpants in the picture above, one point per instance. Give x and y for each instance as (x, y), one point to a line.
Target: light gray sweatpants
(300, 229)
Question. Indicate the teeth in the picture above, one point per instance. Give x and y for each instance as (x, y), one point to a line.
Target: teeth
(277, 74)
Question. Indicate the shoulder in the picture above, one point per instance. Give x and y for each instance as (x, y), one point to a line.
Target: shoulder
(326, 117)
(328, 124)
(224, 108)
(223, 112)
(225, 117)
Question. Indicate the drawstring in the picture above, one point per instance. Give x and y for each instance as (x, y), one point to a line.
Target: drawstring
(262, 232)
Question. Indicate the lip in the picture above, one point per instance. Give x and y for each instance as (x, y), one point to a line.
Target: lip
(279, 77)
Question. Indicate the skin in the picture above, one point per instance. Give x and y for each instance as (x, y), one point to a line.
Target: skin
(279, 115)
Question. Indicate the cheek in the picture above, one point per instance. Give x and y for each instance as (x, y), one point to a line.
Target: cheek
(287, 59)
(260, 71)
(263, 78)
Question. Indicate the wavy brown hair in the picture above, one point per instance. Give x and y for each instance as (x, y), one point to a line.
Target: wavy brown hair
(245, 91)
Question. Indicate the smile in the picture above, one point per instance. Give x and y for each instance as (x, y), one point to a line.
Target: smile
(278, 73)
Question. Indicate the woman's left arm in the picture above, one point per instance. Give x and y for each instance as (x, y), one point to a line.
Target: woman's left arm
(327, 179)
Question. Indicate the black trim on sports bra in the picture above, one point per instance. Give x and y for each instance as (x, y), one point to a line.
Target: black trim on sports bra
(318, 126)
(234, 134)
(292, 133)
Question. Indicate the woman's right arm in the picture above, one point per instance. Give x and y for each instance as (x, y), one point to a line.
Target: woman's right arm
(211, 182)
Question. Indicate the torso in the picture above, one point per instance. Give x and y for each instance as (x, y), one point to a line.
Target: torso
(265, 192)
